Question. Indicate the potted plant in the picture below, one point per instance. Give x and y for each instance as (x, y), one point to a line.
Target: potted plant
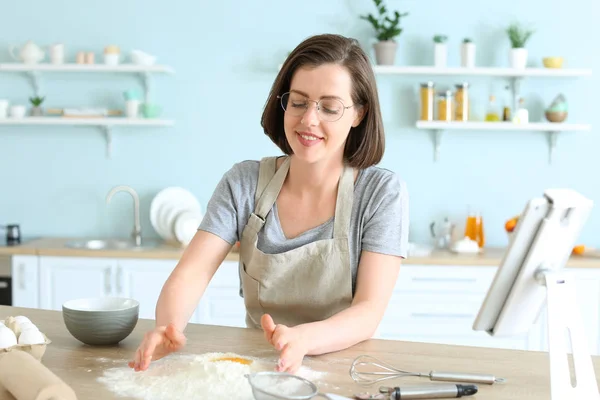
(36, 102)
(518, 37)
(440, 50)
(386, 29)
(467, 53)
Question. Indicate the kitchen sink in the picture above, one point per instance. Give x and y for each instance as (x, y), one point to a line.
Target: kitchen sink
(111, 244)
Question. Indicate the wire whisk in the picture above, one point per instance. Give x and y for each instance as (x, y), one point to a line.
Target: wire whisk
(387, 371)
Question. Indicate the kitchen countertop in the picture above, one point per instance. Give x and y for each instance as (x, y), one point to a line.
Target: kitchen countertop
(79, 365)
(491, 256)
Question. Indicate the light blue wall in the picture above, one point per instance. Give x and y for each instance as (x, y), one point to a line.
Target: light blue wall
(225, 53)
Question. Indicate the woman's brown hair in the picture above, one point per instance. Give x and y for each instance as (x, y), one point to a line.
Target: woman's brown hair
(366, 142)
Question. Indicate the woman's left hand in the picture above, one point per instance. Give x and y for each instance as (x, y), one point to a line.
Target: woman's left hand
(288, 341)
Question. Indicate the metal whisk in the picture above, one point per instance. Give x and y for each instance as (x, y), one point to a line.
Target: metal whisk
(387, 371)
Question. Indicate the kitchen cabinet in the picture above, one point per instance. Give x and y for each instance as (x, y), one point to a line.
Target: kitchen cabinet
(430, 303)
(66, 278)
(25, 281)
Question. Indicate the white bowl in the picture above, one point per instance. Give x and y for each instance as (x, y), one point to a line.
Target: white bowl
(141, 58)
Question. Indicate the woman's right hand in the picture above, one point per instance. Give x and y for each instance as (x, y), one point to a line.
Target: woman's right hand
(157, 343)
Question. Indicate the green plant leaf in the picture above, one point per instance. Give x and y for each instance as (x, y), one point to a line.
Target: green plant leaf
(386, 27)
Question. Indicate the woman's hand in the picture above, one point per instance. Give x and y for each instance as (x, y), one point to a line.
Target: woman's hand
(157, 343)
(288, 341)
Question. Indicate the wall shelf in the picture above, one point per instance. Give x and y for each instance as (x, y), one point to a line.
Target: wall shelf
(34, 71)
(551, 129)
(483, 71)
(105, 123)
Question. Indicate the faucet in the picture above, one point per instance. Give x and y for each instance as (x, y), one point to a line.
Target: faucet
(137, 229)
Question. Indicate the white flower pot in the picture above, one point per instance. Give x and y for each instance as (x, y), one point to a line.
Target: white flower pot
(518, 58)
(385, 52)
(467, 55)
(440, 55)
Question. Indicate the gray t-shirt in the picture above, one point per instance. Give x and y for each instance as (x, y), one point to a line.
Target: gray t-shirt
(379, 221)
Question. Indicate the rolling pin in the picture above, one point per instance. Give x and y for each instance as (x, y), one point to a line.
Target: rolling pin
(28, 379)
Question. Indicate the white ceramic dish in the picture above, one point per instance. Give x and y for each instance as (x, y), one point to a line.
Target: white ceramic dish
(185, 226)
(166, 205)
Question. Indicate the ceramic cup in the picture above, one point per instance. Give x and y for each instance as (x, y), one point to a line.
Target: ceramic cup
(3, 109)
(111, 58)
(150, 110)
(132, 108)
(17, 111)
(57, 53)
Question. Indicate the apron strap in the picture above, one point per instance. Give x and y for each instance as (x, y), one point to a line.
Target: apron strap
(343, 204)
(271, 191)
(267, 168)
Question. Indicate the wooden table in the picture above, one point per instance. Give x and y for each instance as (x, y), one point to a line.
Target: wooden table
(526, 372)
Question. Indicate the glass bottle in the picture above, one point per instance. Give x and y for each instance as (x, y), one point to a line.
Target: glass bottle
(492, 114)
(506, 111)
(521, 114)
(445, 109)
(474, 228)
(461, 98)
(427, 94)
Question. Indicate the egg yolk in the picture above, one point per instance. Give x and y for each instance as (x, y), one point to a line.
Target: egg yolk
(235, 359)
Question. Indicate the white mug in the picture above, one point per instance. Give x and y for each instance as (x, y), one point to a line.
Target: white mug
(57, 53)
(3, 109)
(17, 111)
(132, 108)
(111, 59)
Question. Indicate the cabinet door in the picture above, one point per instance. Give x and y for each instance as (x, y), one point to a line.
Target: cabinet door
(143, 280)
(221, 303)
(68, 278)
(25, 281)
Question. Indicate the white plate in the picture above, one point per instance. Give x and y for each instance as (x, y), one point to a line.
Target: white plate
(185, 226)
(176, 198)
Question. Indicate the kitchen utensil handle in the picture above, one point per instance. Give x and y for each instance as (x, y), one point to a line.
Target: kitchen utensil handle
(460, 377)
(331, 396)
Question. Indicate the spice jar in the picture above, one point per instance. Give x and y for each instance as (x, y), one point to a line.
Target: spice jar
(445, 109)
(461, 98)
(427, 94)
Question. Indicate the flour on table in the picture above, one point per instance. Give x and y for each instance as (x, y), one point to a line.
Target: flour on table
(185, 376)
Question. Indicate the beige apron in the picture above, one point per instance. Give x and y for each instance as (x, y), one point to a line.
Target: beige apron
(306, 284)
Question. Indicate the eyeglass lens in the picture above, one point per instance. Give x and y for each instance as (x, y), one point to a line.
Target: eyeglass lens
(297, 104)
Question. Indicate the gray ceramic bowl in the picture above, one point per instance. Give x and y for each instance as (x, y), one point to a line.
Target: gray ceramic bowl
(101, 320)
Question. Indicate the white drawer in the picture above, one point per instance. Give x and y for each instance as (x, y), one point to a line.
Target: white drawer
(515, 343)
(417, 308)
(426, 278)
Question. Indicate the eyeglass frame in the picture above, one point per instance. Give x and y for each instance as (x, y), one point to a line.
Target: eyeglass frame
(344, 108)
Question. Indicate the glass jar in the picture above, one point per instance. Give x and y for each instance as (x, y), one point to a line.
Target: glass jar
(445, 106)
(427, 94)
(461, 98)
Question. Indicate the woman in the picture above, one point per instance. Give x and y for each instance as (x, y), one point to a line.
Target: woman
(322, 230)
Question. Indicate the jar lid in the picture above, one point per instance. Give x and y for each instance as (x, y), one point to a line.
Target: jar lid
(428, 84)
(462, 85)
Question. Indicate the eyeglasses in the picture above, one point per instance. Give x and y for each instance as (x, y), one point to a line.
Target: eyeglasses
(329, 110)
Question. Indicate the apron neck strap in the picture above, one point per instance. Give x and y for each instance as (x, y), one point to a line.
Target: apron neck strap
(274, 182)
(270, 182)
(343, 204)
